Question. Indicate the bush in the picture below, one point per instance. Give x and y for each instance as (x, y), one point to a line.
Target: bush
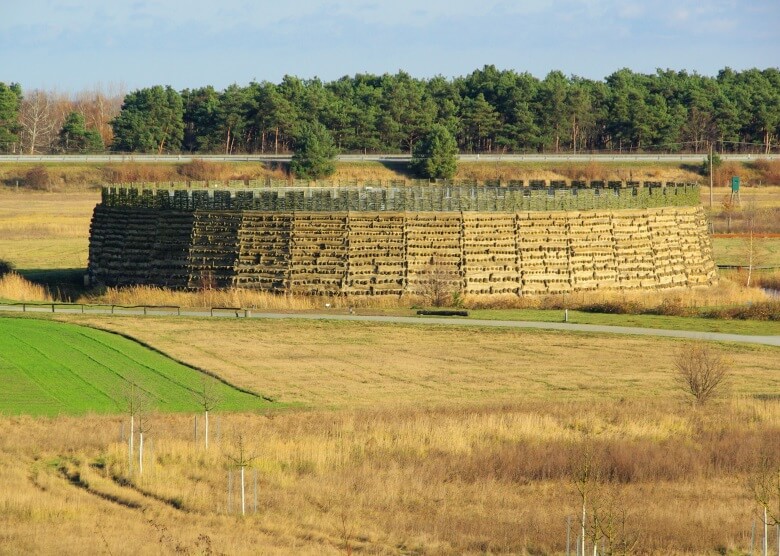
(202, 170)
(132, 172)
(700, 372)
(6, 267)
(614, 307)
(769, 171)
(672, 307)
(716, 163)
(766, 310)
(37, 177)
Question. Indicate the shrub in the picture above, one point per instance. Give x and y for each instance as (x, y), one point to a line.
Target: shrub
(587, 172)
(37, 177)
(133, 172)
(769, 171)
(701, 372)
(762, 310)
(6, 267)
(202, 170)
(671, 307)
(623, 307)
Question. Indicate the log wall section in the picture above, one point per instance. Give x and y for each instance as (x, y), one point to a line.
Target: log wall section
(376, 253)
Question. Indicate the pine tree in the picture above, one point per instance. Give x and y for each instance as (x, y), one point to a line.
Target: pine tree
(435, 155)
(314, 154)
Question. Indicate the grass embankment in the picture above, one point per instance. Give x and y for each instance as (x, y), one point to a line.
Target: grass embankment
(52, 368)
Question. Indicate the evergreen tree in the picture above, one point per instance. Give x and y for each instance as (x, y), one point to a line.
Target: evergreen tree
(435, 155)
(151, 120)
(10, 103)
(74, 137)
(314, 154)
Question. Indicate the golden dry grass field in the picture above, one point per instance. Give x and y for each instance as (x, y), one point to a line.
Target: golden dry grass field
(342, 364)
(401, 439)
(40, 230)
(408, 439)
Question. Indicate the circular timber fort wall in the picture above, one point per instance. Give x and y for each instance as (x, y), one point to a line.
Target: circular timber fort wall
(359, 241)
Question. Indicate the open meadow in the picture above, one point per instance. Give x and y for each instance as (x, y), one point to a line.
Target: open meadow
(406, 439)
(372, 438)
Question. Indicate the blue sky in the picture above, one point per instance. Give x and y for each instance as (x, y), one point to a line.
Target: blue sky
(72, 45)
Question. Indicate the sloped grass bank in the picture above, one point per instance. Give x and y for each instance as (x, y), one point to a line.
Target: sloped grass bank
(52, 368)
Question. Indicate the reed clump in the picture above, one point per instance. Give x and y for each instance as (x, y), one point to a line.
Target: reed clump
(727, 299)
(14, 287)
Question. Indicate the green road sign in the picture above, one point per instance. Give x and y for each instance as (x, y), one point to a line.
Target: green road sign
(735, 184)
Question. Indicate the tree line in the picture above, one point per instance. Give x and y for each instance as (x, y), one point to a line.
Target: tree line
(488, 111)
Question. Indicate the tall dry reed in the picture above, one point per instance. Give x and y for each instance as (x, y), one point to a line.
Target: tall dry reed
(673, 302)
(14, 287)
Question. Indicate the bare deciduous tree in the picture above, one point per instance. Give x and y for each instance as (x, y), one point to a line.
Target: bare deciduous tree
(37, 118)
(753, 247)
(238, 455)
(137, 403)
(208, 397)
(439, 283)
(764, 485)
(605, 520)
(701, 372)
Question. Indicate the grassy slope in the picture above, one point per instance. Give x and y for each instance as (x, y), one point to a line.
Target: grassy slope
(50, 368)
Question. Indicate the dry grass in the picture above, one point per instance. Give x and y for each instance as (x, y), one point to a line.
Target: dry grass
(15, 288)
(360, 364)
(674, 302)
(46, 230)
(689, 300)
(769, 280)
(458, 480)
(769, 171)
(568, 171)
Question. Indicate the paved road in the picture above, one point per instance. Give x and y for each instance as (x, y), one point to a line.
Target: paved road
(148, 158)
(442, 321)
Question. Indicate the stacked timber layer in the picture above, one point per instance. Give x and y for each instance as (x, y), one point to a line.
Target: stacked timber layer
(382, 252)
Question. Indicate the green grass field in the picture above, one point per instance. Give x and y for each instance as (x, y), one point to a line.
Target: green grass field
(734, 251)
(51, 368)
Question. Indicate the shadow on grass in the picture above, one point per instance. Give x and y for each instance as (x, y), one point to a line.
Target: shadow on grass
(696, 168)
(66, 284)
(400, 167)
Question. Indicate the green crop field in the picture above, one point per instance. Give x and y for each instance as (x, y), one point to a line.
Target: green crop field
(51, 368)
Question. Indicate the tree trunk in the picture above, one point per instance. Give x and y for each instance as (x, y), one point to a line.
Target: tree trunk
(141, 453)
(750, 256)
(583, 526)
(132, 432)
(276, 141)
(207, 430)
(243, 500)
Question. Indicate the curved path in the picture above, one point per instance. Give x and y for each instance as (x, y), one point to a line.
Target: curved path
(446, 321)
